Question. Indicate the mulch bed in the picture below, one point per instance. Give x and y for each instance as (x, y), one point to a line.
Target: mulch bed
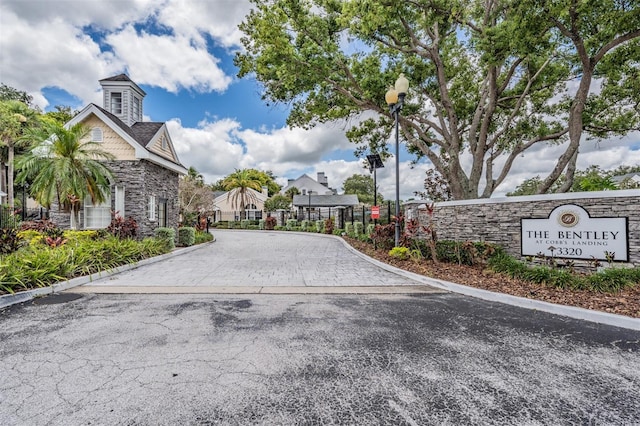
(626, 302)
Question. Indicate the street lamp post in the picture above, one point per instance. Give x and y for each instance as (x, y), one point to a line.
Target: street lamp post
(395, 100)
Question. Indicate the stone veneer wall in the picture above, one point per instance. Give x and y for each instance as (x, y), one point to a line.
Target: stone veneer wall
(140, 179)
(497, 220)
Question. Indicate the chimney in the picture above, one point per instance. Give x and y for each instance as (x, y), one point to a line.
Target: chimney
(265, 191)
(322, 179)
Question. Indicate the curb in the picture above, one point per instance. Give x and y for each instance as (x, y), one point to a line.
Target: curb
(25, 296)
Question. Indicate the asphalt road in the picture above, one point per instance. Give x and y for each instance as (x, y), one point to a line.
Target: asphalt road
(204, 359)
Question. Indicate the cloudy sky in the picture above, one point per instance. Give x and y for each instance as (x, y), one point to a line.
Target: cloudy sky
(181, 53)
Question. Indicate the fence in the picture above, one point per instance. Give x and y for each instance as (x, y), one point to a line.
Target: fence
(8, 218)
(363, 214)
(11, 218)
(351, 214)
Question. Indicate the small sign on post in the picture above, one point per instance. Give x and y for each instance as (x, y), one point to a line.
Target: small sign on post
(375, 212)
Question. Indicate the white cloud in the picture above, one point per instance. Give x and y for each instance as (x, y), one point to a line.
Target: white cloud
(211, 147)
(294, 146)
(169, 62)
(51, 54)
(104, 14)
(219, 19)
(44, 44)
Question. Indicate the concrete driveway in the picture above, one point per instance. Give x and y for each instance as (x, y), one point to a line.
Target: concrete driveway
(421, 358)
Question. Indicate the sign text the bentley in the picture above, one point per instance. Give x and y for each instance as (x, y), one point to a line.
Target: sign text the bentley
(570, 232)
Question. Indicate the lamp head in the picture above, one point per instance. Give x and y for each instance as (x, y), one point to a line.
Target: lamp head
(391, 97)
(402, 85)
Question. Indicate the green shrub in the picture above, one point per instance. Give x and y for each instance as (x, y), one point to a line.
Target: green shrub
(319, 226)
(39, 266)
(253, 227)
(186, 236)
(338, 232)
(29, 235)
(370, 228)
(244, 224)
(168, 235)
(261, 224)
(10, 241)
(291, 223)
(348, 229)
(612, 280)
(280, 228)
(358, 228)
(305, 225)
(75, 237)
(464, 253)
(401, 253)
(203, 237)
(364, 238)
(609, 280)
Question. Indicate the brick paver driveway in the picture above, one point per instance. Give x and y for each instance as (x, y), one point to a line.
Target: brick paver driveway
(261, 259)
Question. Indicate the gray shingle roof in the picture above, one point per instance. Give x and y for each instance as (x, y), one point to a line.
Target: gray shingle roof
(145, 130)
(119, 123)
(142, 131)
(325, 200)
(119, 77)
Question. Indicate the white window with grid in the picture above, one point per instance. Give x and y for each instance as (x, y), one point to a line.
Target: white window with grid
(96, 216)
(119, 198)
(152, 208)
(116, 103)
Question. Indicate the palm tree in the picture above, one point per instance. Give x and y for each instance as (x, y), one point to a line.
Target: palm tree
(239, 183)
(14, 116)
(194, 175)
(65, 167)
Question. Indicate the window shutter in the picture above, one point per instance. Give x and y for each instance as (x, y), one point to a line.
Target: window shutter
(96, 134)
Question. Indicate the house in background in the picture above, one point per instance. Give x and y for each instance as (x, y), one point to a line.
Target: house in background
(306, 184)
(146, 167)
(225, 209)
(627, 181)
